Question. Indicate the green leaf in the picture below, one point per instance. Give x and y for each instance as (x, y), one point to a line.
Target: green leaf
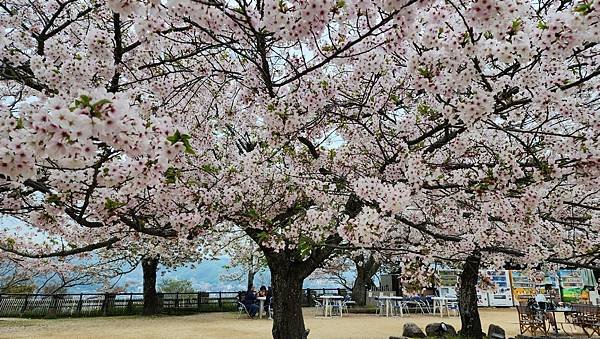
(187, 145)
(584, 8)
(20, 124)
(10, 243)
(262, 236)
(424, 72)
(53, 199)
(183, 138)
(305, 246)
(174, 138)
(171, 175)
(252, 213)
(83, 101)
(542, 25)
(112, 205)
(340, 4)
(210, 169)
(516, 25)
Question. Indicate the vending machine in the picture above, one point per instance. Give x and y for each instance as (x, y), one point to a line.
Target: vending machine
(501, 294)
(448, 282)
(523, 287)
(482, 298)
(571, 283)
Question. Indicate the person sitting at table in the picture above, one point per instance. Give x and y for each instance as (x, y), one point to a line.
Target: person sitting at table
(250, 301)
(545, 305)
(263, 292)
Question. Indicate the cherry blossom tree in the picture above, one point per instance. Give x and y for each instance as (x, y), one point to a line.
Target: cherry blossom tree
(461, 130)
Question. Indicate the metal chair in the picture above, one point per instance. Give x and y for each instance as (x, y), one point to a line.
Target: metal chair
(380, 306)
(318, 307)
(242, 309)
(399, 307)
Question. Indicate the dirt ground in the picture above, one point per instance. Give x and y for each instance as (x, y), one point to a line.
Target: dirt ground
(226, 325)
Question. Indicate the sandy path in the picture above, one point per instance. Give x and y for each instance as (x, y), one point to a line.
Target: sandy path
(226, 325)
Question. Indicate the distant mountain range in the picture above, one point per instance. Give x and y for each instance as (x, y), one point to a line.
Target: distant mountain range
(204, 277)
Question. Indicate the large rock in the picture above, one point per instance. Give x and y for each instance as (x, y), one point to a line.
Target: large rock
(496, 332)
(439, 329)
(411, 330)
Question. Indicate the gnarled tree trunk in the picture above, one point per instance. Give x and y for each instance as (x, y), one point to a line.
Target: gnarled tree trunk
(467, 294)
(151, 304)
(288, 321)
(365, 270)
(289, 268)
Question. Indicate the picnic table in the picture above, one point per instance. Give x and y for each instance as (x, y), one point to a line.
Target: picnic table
(262, 306)
(327, 303)
(388, 304)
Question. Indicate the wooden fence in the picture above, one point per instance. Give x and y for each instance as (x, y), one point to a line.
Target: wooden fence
(105, 304)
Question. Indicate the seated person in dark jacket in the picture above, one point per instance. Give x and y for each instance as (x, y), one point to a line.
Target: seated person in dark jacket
(250, 302)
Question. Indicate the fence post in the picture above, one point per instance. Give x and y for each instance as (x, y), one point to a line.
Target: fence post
(105, 304)
(130, 304)
(176, 301)
(220, 302)
(198, 302)
(80, 304)
(25, 304)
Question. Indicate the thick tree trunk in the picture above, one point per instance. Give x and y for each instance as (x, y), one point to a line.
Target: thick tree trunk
(288, 322)
(467, 296)
(365, 270)
(151, 305)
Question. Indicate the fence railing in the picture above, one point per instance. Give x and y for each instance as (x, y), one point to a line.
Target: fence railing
(105, 304)
(98, 304)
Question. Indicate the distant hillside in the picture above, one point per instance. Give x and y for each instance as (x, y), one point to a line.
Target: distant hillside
(204, 277)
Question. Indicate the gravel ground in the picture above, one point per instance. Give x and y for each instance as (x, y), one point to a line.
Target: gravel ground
(226, 325)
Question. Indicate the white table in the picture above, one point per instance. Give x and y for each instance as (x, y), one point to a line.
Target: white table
(262, 306)
(327, 303)
(441, 303)
(388, 304)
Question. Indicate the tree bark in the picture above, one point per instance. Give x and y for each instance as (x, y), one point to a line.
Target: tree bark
(365, 270)
(467, 298)
(251, 275)
(151, 304)
(288, 321)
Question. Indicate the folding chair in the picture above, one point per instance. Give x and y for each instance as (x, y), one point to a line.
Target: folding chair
(531, 321)
(242, 309)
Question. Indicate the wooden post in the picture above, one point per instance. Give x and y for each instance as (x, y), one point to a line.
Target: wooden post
(80, 304)
(198, 301)
(220, 302)
(176, 301)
